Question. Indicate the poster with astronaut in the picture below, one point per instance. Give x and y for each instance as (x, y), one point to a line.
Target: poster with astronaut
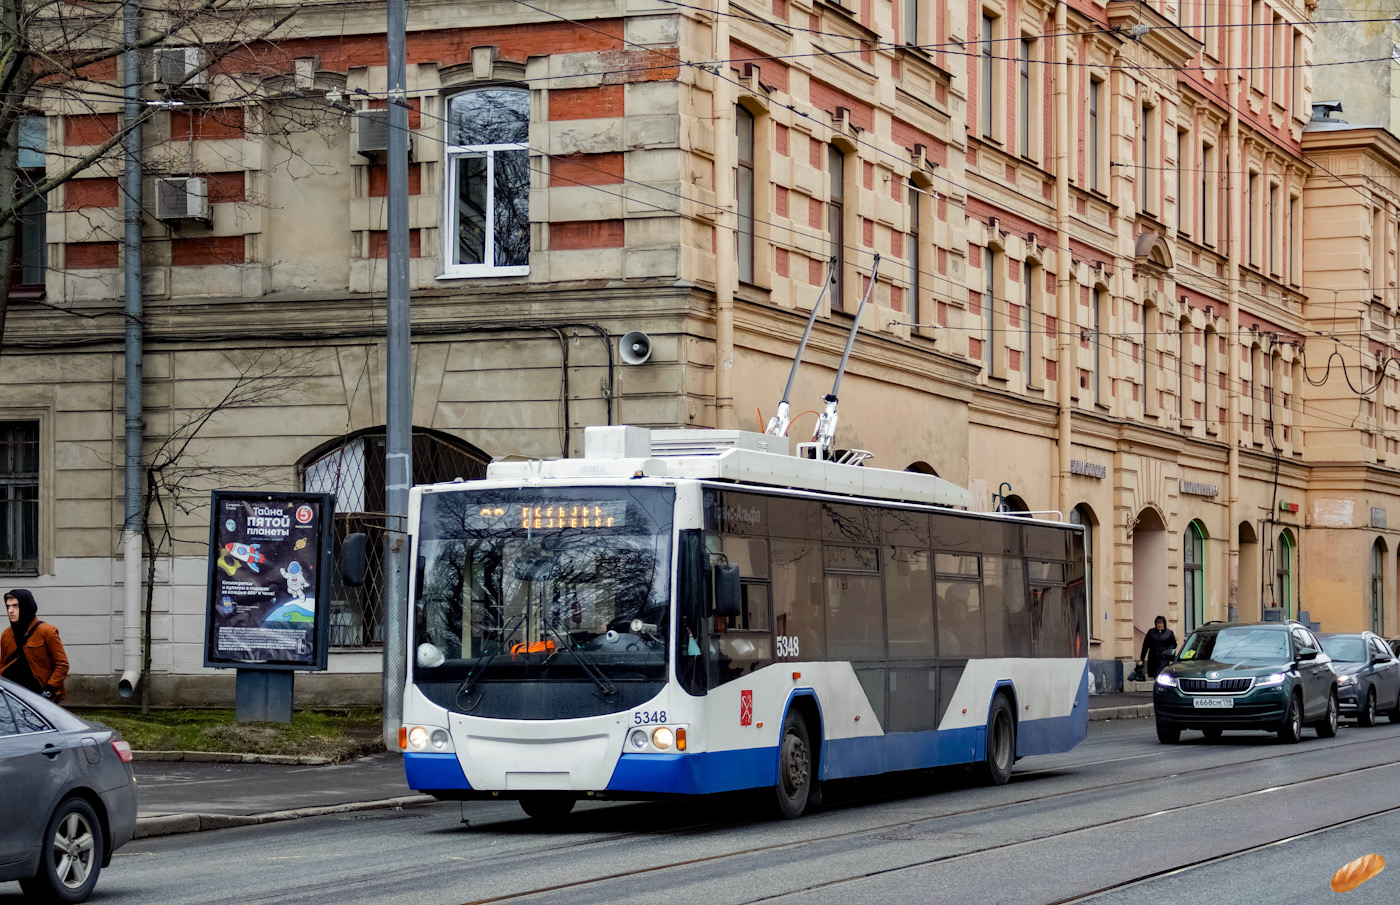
(269, 566)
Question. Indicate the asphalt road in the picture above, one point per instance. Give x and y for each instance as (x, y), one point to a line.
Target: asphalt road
(1120, 819)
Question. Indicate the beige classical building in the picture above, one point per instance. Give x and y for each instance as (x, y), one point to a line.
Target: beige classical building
(1102, 234)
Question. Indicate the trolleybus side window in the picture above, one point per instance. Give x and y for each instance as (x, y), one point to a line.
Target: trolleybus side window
(1052, 617)
(909, 603)
(959, 589)
(742, 643)
(855, 619)
(799, 606)
(1004, 607)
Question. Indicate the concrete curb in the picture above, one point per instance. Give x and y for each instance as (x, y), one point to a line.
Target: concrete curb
(1128, 712)
(176, 824)
(227, 757)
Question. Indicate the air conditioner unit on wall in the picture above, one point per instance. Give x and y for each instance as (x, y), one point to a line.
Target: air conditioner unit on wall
(179, 69)
(371, 136)
(182, 198)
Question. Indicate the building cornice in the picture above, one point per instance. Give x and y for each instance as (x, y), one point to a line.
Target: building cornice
(1372, 139)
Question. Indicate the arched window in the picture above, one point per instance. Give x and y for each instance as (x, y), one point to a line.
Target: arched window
(1378, 586)
(352, 468)
(1012, 504)
(486, 206)
(1193, 568)
(1284, 574)
(1083, 515)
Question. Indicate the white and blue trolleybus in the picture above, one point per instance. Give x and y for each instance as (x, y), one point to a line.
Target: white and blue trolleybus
(695, 611)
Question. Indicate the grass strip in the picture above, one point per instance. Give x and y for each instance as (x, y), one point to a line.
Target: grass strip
(336, 734)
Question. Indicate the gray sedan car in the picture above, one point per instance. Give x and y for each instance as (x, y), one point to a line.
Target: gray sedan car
(1368, 676)
(67, 796)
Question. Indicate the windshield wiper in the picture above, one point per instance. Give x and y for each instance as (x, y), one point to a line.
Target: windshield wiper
(585, 662)
(506, 636)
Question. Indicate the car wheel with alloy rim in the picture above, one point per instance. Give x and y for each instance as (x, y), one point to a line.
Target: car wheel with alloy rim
(70, 856)
(1328, 727)
(1292, 729)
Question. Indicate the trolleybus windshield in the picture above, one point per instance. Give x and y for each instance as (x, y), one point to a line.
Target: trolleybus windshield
(543, 585)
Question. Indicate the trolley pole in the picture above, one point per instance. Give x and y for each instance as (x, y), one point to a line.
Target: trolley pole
(398, 444)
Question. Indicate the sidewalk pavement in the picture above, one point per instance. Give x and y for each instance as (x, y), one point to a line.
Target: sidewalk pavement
(188, 796)
(1120, 705)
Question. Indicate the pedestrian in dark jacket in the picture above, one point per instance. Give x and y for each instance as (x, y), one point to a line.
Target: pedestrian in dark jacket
(1157, 648)
(31, 653)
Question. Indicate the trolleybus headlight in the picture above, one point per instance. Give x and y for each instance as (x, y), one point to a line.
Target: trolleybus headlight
(418, 738)
(662, 737)
(439, 739)
(638, 739)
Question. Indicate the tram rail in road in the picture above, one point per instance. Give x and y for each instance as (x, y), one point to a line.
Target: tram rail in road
(1079, 802)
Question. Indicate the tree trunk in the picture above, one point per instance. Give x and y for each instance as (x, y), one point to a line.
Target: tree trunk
(149, 541)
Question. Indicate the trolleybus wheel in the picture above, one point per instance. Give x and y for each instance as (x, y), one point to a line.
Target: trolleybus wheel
(794, 786)
(1001, 743)
(548, 805)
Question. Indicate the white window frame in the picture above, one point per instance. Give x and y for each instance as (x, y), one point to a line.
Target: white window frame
(453, 155)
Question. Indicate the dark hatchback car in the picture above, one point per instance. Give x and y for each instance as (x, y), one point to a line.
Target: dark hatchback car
(67, 797)
(1368, 676)
(1273, 676)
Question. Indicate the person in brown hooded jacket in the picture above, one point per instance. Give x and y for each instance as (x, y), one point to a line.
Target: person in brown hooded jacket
(31, 653)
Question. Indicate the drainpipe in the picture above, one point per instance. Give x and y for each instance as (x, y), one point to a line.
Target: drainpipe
(1064, 292)
(1238, 98)
(131, 274)
(726, 267)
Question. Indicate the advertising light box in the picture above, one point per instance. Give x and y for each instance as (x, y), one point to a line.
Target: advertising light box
(269, 580)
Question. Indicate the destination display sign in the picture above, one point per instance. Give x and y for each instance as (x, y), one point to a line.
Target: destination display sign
(571, 515)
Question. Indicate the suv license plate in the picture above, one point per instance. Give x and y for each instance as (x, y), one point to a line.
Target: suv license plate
(1213, 702)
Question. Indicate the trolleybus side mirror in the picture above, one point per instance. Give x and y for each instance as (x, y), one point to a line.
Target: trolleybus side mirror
(354, 560)
(728, 599)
